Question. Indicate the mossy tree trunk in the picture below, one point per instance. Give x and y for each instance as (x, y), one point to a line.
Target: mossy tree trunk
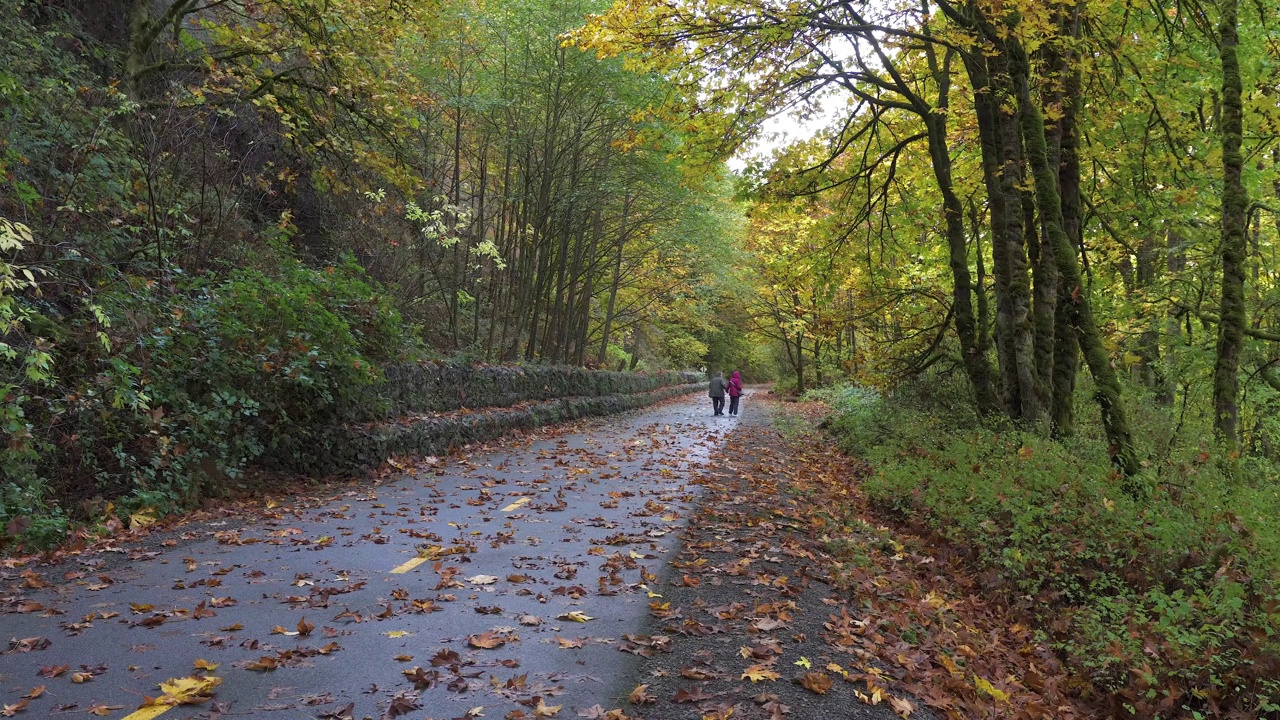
(1235, 203)
(976, 366)
(1081, 317)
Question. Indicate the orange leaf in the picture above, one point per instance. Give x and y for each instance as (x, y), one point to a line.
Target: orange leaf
(818, 682)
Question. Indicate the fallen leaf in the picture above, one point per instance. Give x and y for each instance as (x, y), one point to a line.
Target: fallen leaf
(818, 682)
(14, 709)
(756, 673)
(641, 696)
(29, 644)
(575, 616)
(143, 518)
(985, 686)
(488, 640)
(188, 690)
(902, 706)
(482, 580)
(544, 710)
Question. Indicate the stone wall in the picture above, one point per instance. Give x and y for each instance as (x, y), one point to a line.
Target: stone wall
(442, 387)
(429, 409)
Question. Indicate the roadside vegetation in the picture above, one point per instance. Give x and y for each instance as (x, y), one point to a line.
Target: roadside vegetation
(1165, 605)
(220, 223)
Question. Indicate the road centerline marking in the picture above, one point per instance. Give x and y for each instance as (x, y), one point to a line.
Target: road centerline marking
(408, 565)
(517, 504)
(147, 713)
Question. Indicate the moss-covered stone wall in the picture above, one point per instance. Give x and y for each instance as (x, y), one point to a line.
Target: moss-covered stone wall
(431, 408)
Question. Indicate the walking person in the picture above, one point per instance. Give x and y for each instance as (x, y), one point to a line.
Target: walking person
(735, 392)
(716, 390)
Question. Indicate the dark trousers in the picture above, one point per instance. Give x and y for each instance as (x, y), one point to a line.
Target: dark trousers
(733, 404)
(717, 404)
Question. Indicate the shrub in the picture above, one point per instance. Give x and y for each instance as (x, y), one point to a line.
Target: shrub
(191, 382)
(1170, 605)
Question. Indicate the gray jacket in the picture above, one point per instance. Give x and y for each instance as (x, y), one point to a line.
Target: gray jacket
(718, 385)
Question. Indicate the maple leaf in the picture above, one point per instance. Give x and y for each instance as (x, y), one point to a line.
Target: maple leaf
(402, 704)
(29, 644)
(692, 696)
(423, 678)
(15, 708)
(694, 673)
(818, 682)
(488, 640)
(768, 624)
(575, 616)
(266, 662)
(902, 706)
(759, 672)
(305, 628)
(529, 620)
(641, 696)
(985, 686)
(206, 665)
(36, 692)
(143, 518)
(102, 710)
(187, 691)
(544, 710)
(343, 713)
(482, 580)
(568, 644)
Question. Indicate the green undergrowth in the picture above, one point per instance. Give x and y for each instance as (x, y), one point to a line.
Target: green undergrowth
(159, 395)
(1166, 604)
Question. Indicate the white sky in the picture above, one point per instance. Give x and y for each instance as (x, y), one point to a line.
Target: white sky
(782, 130)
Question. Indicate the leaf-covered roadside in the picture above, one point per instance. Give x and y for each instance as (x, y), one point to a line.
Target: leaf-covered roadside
(790, 600)
(1160, 608)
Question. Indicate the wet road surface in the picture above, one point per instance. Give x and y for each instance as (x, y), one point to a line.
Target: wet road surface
(497, 584)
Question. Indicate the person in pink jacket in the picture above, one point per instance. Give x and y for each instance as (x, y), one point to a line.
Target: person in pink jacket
(734, 388)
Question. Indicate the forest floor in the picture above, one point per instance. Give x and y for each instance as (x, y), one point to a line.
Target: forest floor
(660, 564)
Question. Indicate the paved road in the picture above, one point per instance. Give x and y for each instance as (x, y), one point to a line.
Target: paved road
(486, 549)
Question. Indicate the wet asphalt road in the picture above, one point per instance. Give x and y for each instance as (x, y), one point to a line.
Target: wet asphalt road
(495, 548)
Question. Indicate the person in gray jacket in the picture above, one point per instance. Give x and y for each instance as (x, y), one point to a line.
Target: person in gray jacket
(716, 391)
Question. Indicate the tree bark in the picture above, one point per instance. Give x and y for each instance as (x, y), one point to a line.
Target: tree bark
(976, 366)
(1235, 203)
(998, 211)
(1107, 392)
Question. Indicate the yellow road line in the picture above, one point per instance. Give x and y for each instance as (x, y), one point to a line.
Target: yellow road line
(517, 504)
(147, 713)
(406, 567)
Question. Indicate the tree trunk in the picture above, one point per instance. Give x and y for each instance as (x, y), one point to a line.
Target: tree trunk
(1066, 348)
(1046, 183)
(1235, 203)
(988, 131)
(976, 366)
